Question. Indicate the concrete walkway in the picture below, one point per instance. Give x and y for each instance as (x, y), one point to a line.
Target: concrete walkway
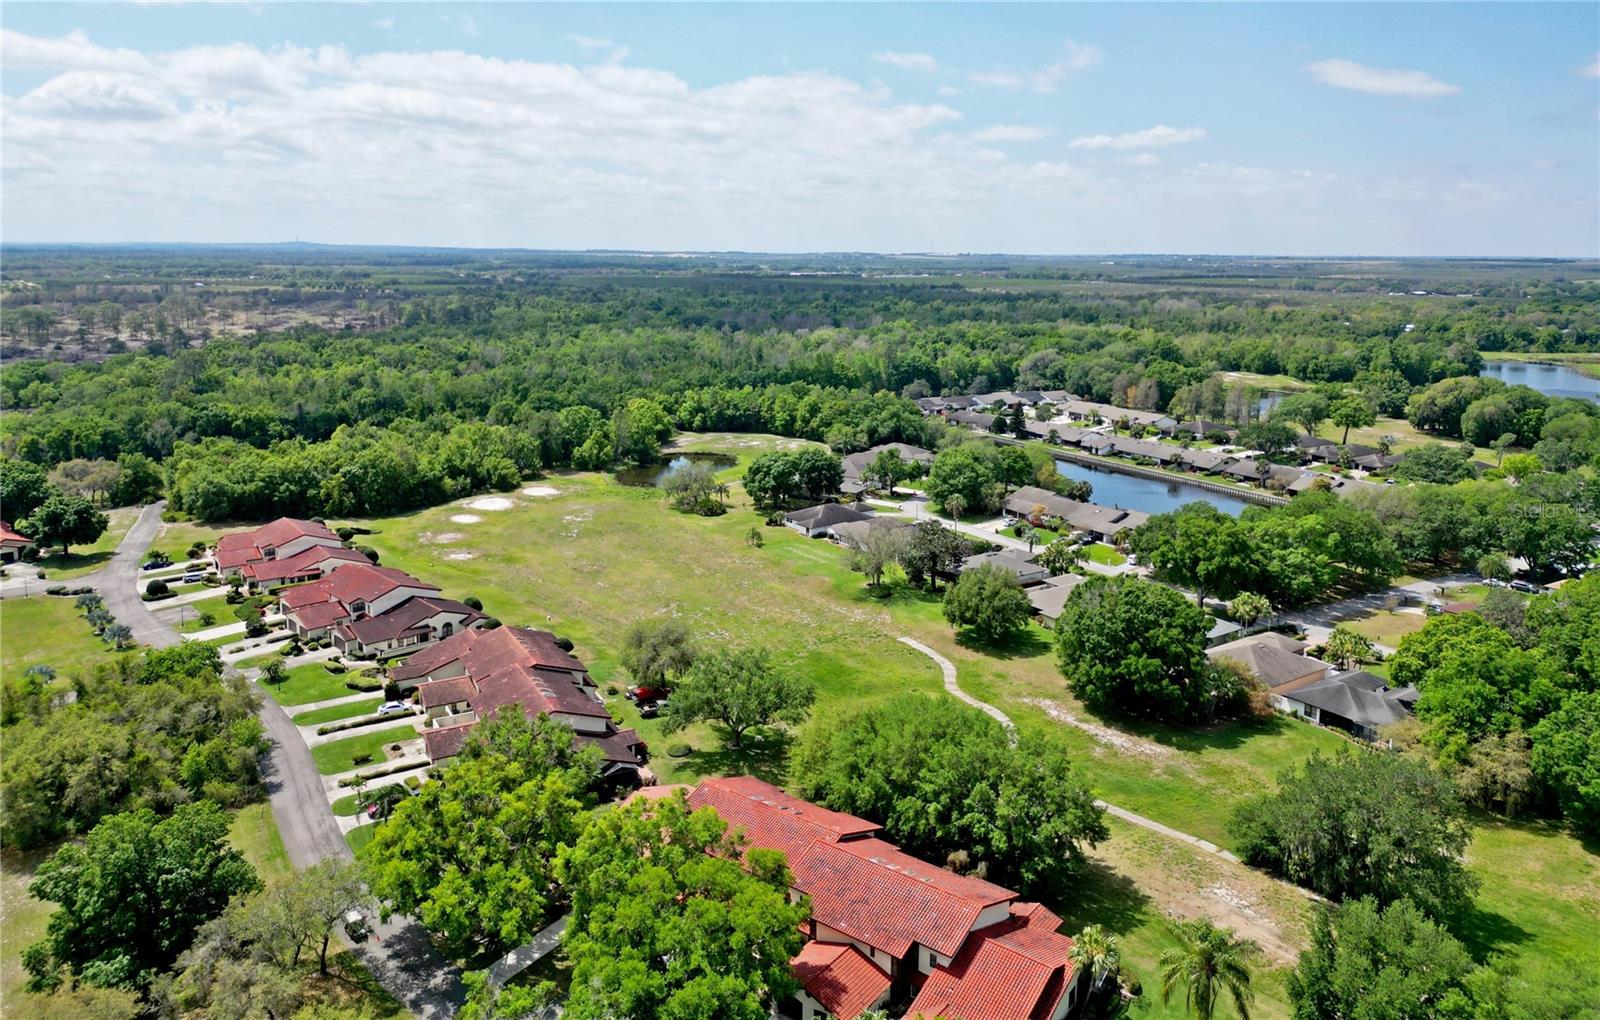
(525, 956)
(188, 597)
(948, 668)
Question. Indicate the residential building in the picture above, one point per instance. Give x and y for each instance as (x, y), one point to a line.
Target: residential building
(1357, 702)
(307, 565)
(886, 926)
(1033, 503)
(411, 624)
(355, 591)
(13, 544)
(1050, 597)
(1277, 660)
(474, 674)
(820, 520)
(854, 534)
(277, 540)
(1011, 561)
(856, 465)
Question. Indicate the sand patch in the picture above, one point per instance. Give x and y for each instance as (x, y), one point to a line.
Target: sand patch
(443, 538)
(492, 503)
(538, 491)
(460, 554)
(1103, 734)
(465, 518)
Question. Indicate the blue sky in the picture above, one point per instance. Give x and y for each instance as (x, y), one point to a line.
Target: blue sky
(1450, 129)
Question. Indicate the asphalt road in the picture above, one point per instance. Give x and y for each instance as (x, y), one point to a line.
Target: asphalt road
(399, 955)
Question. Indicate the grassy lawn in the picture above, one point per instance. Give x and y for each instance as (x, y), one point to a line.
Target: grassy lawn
(308, 683)
(1474, 593)
(334, 713)
(85, 558)
(45, 629)
(22, 921)
(254, 833)
(1406, 437)
(1099, 552)
(340, 755)
(1387, 628)
(360, 836)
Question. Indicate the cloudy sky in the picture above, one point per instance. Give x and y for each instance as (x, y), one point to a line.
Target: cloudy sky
(1452, 129)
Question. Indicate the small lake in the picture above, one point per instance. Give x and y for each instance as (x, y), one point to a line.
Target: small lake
(1131, 492)
(659, 474)
(1551, 380)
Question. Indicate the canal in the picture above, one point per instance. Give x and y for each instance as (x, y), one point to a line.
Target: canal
(1132, 492)
(1549, 379)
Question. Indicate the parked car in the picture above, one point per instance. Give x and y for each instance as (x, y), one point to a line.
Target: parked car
(1526, 586)
(651, 709)
(643, 694)
(356, 926)
(155, 565)
(394, 708)
(192, 576)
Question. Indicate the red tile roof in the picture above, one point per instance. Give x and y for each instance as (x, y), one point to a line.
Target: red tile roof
(446, 741)
(445, 692)
(318, 615)
(884, 897)
(367, 582)
(1018, 968)
(10, 536)
(408, 614)
(307, 561)
(841, 978)
(623, 746)
(287, 529)
(445, 652)
(773, 820)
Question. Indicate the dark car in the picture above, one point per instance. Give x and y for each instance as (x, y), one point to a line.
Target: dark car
(651, 709)
(1526, 586)
(155, 565)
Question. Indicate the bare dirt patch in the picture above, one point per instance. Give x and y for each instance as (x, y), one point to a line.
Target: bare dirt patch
(540, 491)
(1103, 734)
(465, 518)
(443, 538)
(460, 554)
(492, 503)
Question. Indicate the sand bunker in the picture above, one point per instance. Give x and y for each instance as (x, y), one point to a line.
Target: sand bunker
(466, 518)
(492, 503)
(459, 556)
(539, 490)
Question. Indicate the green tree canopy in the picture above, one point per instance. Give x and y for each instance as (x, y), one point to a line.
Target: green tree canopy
(657, 652)
(1134, 646)
(944, 779)
(988, 603)
(65, 521)
(666, 921)
(739, 689)
(132, 894)
(1360, 824)
(1370, 964)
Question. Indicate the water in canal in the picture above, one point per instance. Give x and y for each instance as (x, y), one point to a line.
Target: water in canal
(1551, 380)
(1131, 492)
(658, 474)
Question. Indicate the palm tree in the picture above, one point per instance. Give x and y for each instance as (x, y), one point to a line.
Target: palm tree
(1096, 950)
(1208, 961)
(955, 505)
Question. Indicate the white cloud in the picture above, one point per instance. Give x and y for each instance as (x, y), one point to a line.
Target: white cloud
(592, 45)
(1075, 57)
(1591, 70)
(1012, 133)
(1158, 137)
(1347, 74)
(908, 61)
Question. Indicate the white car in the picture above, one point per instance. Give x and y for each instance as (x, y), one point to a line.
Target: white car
(393, 708)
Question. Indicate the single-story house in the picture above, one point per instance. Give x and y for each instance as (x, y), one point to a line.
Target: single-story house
(13, 544)
(1002, 398)
(1200, 427)
(1221, 631)
(1050, 598)
(1333, 453)
(1276, 660)
(983, 420)
(1090, 410)
(1011, 561)
(1203, 460)
(856, 465)
(1068, 434)
(1379, 461)
(1099, 443)
(1357, 702)
(820, 520)
(1315, 448)
(1310, 481)
(1104, 523)
(1161, 453)
(855, 533)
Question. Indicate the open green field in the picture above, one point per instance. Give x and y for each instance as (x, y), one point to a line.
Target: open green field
(597, 556)
(1387, 628)
(334, 713)
(22, 921)
(85, 558)
(308, 683)
(255, 834)
(1099, 552)
(47, 629)
(340, 755)
(1405, 435)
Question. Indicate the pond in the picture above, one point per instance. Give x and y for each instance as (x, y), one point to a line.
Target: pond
(659, 474)
(1132, 492)
(1551, 380)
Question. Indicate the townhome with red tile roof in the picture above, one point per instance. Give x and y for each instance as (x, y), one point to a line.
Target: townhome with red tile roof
(281, 539)
(888, 927)
(366, 610)
(474, 674)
